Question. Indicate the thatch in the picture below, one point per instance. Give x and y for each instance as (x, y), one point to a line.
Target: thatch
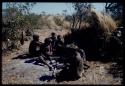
(95, 29)
(101, 22)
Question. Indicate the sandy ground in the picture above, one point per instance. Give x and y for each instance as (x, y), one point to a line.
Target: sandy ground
(20, 71)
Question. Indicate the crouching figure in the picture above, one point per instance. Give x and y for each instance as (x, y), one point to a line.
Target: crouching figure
(74, 66)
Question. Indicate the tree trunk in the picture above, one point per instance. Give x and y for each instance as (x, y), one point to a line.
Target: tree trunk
(22, 38)
(76, 23)
(73, 22)
(80, 21)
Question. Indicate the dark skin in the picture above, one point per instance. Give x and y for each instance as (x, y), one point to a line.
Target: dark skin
(34, 52)
(46, 48)
(53, 38)
(59, 41)
(82, 53)
(59, 45)
(44, 62)
(74, 64)
(32, 48)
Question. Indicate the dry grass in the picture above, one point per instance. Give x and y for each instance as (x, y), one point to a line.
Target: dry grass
(53, 22)
(66, 25)
(101, 22)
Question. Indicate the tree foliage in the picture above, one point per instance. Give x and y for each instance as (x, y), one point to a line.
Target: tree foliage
(15, 15)
(81, 10)
(14, 20)
(58, 21)
(115, 10)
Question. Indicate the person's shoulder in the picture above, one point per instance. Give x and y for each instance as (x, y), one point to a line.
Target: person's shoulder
(35, 42)
(43, 45)
(31, 41)
(50, 37)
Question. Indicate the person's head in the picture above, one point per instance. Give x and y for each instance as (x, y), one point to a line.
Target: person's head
(36, 37)
(59, 37)
(53, 34)
(47, 41)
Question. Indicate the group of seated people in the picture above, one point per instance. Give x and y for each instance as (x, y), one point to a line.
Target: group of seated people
(46, 49)
(54, 45)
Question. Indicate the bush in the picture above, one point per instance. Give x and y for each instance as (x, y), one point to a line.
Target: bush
(66, 25)
(58, 21)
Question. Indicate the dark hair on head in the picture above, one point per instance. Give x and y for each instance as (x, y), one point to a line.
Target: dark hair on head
(58, 36)
(35, 36)
(53, 33)
(47, 40)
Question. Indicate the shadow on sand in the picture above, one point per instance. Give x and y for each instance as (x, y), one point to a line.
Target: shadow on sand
(46, 78)
(35, 61)
(30, 59)
(22, 56)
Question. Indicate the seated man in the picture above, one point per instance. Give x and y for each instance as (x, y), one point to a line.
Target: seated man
(35, 50)
(74, 65)
(82, 54)
(59, 44)
(46, 48)
(53, 38)
(34, 47)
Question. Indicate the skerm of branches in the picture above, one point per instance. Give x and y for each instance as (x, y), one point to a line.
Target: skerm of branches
(81, 10)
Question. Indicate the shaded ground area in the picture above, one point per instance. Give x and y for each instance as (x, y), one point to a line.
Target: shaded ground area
(19, 68)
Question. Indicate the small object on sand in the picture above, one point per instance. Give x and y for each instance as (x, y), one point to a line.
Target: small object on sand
(53, 73)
